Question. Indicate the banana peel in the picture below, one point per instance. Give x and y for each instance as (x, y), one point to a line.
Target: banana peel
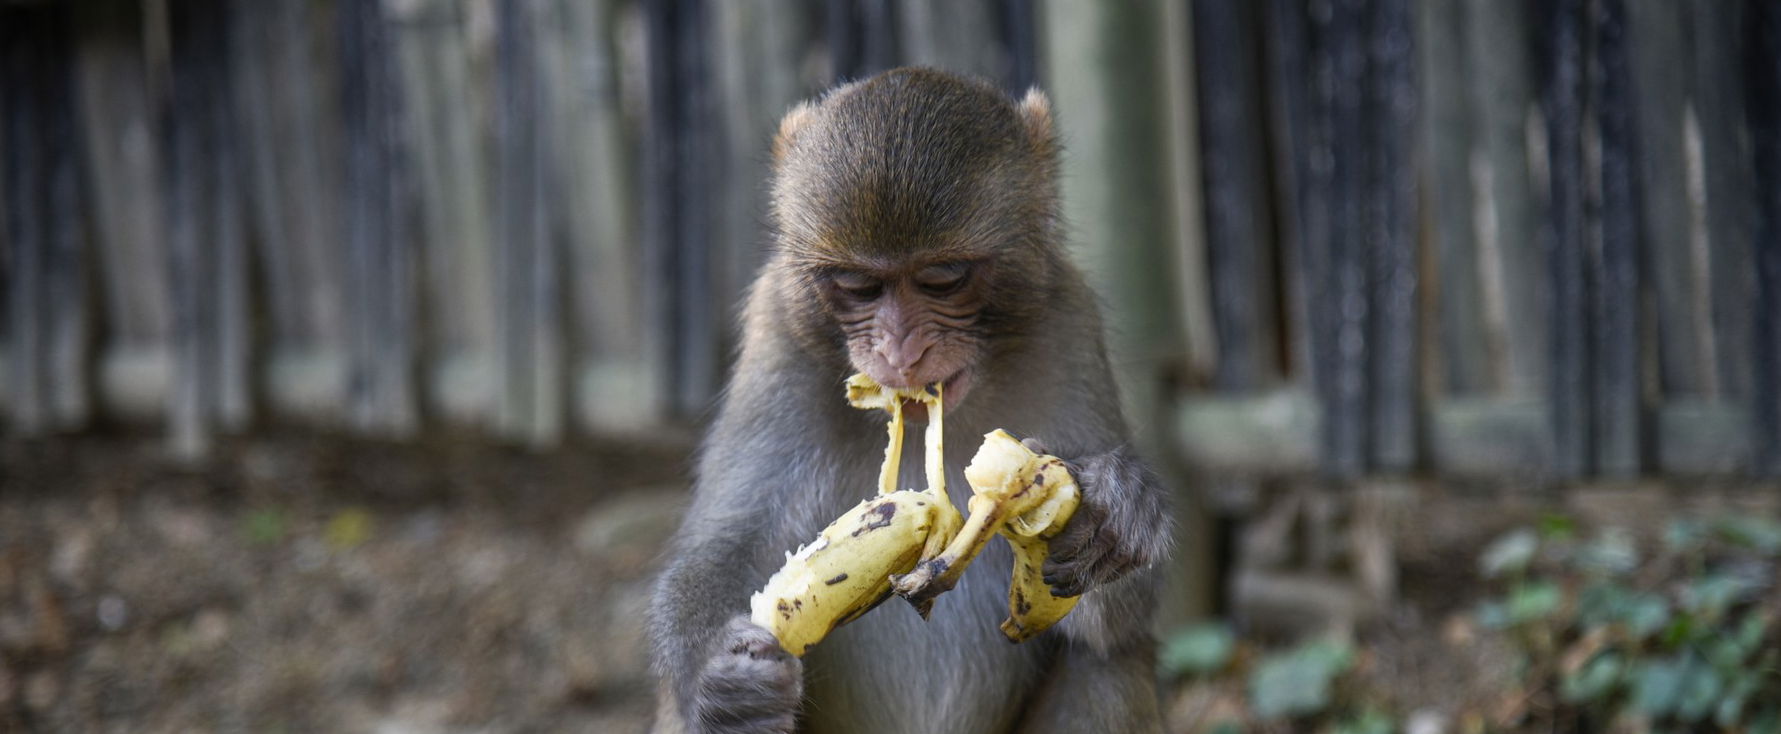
(1026, 498)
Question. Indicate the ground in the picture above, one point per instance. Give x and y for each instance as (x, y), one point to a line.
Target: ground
(297, 583)
(303, 584)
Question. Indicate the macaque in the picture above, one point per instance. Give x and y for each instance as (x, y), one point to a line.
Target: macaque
(916, 239)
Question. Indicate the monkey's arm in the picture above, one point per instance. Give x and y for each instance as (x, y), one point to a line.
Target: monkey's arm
(725, 674)
(1121, 526)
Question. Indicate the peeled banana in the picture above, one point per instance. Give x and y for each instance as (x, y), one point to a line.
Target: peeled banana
(1027, 498)
(916, 543)
(846, 570)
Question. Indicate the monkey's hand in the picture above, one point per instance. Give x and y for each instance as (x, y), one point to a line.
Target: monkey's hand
(1121, 526)
(750, 685)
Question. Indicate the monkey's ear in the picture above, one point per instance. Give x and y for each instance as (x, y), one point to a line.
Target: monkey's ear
(1035, 118)
(795, 120)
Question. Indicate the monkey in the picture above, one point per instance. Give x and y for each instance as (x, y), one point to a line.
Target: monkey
(916, 237)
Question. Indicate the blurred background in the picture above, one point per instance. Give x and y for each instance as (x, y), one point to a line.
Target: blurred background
(352, 351)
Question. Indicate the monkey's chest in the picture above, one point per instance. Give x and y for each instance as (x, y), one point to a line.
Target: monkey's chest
(891, 671)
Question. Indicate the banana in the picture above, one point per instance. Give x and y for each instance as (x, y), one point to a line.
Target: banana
(846, 570)
(1023, 496)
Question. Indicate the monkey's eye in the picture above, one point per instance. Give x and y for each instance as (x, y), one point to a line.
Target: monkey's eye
(943, 280)
(858, 286)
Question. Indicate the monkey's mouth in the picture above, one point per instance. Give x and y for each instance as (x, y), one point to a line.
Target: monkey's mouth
(953, 391)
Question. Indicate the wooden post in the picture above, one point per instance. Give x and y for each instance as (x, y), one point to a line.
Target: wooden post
(955, 36)
(1298, 123)
(129, 238)
(1568, 393)
(678, 211)
(621, 383)
(1396, 369)
(530, 362)
(1762, 69)
(1239, 243)
(1345, 298)
(379, 257)
(452, 195)
(861, 38)
(1718, 155)
(309, 358)
(1619, 411)
(1511, 259)
(757, 48)
(1671, 252)
(22, 103)
(186, 130)
(1448, 143)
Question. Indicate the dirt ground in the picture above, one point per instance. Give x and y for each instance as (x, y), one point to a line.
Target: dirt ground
(297, 584)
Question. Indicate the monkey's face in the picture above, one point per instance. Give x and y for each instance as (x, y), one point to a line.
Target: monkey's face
(910, 325)
(917, 212)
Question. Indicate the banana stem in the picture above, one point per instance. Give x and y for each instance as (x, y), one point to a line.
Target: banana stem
(934, 577)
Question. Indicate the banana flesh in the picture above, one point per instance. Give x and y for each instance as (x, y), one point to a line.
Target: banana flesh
(1026, 498)
(846, 570)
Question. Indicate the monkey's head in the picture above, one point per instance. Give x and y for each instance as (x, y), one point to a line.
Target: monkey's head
(916, 213)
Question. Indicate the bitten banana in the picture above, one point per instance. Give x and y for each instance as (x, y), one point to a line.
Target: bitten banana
(846, 571)
(1025, 497)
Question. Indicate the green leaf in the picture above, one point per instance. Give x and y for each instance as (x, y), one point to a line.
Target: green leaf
(1645, 614)
(1684, 534)
(1752, 531)
(1713, 594)
(1612, 554)
(1750, 632)
(1701, 689)
(1594, 680)
(1737, 693)
(1680, 629)
(1554, 526)
(1509, 554)
(1602, 603)
(1297, 682)
(1657, 685)
(1533, 600)
(1197, 650)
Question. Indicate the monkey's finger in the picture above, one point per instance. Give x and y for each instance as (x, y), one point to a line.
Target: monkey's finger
(1034, 445)
(744, 637)
(1077, 587)
(1075, 573)
(1079, 533)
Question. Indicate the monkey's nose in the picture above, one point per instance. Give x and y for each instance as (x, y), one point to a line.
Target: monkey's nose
(901, 356)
